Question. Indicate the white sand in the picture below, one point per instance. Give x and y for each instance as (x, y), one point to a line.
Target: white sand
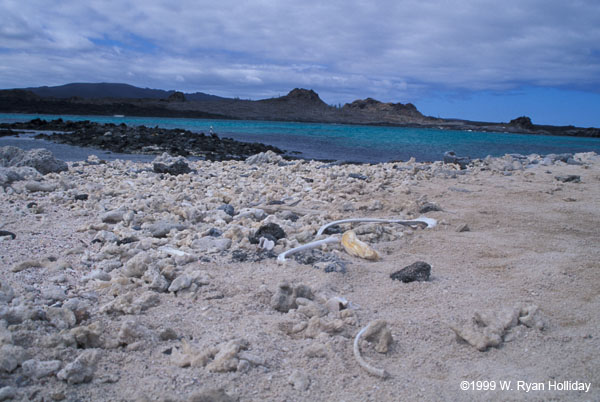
(532, 241)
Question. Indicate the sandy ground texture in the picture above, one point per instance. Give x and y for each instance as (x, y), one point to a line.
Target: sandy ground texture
(126, 284)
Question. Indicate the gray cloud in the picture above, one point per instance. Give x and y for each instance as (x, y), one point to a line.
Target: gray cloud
(395, 50)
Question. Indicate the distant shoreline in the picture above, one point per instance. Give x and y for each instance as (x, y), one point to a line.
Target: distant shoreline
(300, 105)
(136, 138)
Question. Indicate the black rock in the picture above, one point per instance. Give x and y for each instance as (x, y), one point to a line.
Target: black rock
(333, 229)
(229, 210)
(329, 262)
(141, 139)
(127, 240)
(429, 207)
(239, 256)
(81, 197)
(292, 217)
(270, 231)
(572, 178)
(522, 122)
(7, 233)
(214, 232)
(462, 161)
(243, 256)
(419, 271)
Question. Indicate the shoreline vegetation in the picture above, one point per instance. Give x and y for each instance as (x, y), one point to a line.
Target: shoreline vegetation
(299, 105)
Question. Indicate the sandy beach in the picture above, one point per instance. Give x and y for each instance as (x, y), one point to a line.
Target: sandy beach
(121, 283)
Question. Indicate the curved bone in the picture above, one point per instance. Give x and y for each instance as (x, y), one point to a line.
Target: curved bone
(370, 369)
(427, 222)
(307, 246)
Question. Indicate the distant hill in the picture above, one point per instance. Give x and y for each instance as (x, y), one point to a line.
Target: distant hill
(109, 90)
(302, 105)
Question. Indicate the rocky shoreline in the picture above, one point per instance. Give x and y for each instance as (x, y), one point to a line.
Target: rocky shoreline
(140, 139)
(160, 281)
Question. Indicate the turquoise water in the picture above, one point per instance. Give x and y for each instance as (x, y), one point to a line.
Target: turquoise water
(354, 142)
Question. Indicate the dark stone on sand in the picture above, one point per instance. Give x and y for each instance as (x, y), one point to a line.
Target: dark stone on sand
(572, 178)
(243, 256)
(81, 197)
(270, 231)
(127, 240)
(429, 207)
(229, 210)
(214, 232)
(7, 233)
(328, 262)
(333, 229)
(357, 176)
(292, 217)
(419, 271)
(462, 161)
(239, 256)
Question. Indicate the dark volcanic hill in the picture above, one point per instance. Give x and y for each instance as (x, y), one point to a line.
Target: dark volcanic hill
(108, 90)
(300, 105)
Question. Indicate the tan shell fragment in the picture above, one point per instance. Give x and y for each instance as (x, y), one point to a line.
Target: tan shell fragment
(357, 248)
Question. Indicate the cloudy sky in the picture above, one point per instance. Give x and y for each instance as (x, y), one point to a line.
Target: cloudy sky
(477, 59)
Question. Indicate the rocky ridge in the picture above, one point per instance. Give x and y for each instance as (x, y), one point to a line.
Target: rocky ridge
(298, 105)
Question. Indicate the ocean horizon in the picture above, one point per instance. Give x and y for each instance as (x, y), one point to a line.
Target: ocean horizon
(351, 143)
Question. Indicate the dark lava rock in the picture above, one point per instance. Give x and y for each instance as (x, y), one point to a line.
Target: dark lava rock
(419, 271)
(81, 197)
(429, 207)
(462, 161)
(572, 178)
(357, 176)
(7, 233)
(333, 229)
(165, 163)
(8, 132)
(292, 217)
(522, 122)
(229, 210)
(270, 231)
(328, 262)
(127, 240)
(243, 256)
(146, 140)
(239, 256)
(214, 232)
